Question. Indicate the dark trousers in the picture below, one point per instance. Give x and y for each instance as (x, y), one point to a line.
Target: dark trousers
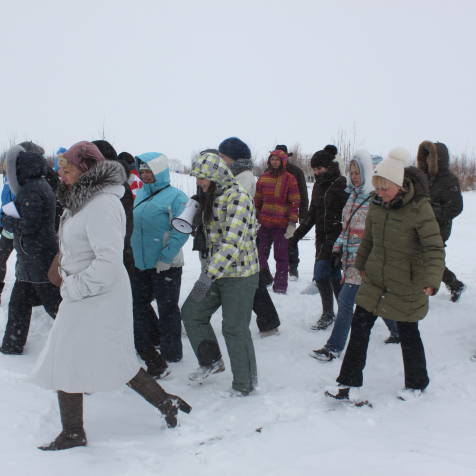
(24, 296)
(293, 254)
(164, 287)
(413, 353)
(266, 315)
(6, 248)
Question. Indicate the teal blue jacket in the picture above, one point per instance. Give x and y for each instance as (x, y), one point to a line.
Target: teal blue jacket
(153, 238)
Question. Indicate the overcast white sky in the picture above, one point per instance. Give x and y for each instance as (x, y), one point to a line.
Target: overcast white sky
(179, 76)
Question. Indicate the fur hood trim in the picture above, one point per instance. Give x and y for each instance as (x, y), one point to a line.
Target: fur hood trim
(92, 182)
(433, 158)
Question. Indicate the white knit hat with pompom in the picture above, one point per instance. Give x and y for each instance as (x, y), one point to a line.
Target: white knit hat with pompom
(392, 167)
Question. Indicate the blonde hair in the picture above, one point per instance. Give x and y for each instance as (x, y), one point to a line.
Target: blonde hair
(381, 182)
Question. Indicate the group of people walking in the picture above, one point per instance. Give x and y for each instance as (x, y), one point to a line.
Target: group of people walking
(379, 243)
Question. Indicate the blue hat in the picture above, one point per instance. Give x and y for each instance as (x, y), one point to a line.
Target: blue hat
(234, 148)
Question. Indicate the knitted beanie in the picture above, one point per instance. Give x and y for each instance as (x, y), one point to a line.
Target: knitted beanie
(324, 157)
(393, 166)
(83, 155)
(234, 148)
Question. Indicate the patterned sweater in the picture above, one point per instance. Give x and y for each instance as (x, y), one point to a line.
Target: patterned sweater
(231, 234)
(277, 199)
(352, 232)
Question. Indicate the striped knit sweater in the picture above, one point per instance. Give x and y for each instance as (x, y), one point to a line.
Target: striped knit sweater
(277, 199)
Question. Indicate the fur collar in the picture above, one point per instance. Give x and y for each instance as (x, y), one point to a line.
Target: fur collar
(92, 182)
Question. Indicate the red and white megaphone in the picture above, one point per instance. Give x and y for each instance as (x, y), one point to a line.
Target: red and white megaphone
(184, 222)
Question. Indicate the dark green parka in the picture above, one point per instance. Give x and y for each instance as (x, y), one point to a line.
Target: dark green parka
(401, 253)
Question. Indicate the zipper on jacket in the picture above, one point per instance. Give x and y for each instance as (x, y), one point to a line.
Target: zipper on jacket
(383, 260)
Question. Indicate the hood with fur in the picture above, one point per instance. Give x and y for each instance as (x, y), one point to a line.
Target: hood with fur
(95, 180)
(363, 160)
(433, 158)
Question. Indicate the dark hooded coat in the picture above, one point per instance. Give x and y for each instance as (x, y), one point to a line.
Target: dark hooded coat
(325, 213)
(35, 239)
(301, 181)
(445, 192)
(401, 253)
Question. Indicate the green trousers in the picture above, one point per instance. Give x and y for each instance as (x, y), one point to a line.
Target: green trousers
(235, 296)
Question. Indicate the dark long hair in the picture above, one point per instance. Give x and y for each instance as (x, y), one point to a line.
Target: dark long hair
(206, 200)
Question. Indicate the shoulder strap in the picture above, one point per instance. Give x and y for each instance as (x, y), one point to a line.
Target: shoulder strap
(151, 195)
(354, 212)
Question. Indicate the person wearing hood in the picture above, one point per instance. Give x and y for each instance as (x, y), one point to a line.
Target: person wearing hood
(237, 156)
(158, 258)
(293, 250)
(277, 203)
(229, 276)
(344, 251)
(446, 199)
(127, 200)
(34, 239)
(325, 213)
(401, 262)
(90, 347)
(6, 238)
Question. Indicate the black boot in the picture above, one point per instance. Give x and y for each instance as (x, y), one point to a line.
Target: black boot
(150, 390)
(156, 364)
(71, 411)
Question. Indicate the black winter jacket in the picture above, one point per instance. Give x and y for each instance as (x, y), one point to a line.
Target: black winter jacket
(325, 213)
(445, 192)
(301, 181)
(34, 234)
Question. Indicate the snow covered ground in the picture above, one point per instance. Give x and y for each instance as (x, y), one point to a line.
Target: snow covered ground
(287, 427)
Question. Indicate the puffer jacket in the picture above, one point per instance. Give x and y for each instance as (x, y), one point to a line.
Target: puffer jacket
(353, 218)
(277, 197)
(401, 253)
(445, 191)
(35, 238)
(325, 213)
(153, 237)
(231, 234)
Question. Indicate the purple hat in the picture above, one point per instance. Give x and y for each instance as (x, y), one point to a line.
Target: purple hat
(82, 155)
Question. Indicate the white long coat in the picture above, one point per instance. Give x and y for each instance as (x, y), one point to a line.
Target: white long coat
(91, 345)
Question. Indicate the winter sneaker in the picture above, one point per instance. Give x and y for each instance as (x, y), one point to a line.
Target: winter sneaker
(324, 322)
(310, 289)
(203, 372)
(293, 274)
(456, 290)
(408, 394)
(324, 354)
(66, 440)
(392, 340)
(271, 332)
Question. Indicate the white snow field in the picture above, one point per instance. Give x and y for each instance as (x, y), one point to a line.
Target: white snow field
(287, 427)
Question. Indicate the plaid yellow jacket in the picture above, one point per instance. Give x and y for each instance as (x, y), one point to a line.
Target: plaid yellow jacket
(231, 234)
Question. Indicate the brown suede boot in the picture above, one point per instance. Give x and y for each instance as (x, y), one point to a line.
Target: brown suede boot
(71, 411)
(150, 390)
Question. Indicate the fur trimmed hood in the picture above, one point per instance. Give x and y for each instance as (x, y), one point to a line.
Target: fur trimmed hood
(95, 180)
(433, 158)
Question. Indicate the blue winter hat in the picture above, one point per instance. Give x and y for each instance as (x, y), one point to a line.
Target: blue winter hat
(234, 148)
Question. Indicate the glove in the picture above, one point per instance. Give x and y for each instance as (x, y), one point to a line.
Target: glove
(9, 223)
(200, 288)
(336, 259)
(161, 266)
(290, 231)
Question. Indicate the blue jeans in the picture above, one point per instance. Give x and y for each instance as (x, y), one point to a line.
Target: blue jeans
(392, 327)
(346, 300)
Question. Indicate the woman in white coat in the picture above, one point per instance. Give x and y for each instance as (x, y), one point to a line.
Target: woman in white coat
(91, 346)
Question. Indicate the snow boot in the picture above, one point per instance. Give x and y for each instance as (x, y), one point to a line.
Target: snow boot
(324, 354)
(71, 411)
(156, 364)
(456, 289)
(324, 321)
(293, 274)
(392, 340)
(167, 404)
(204, 371)
(265, 277)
